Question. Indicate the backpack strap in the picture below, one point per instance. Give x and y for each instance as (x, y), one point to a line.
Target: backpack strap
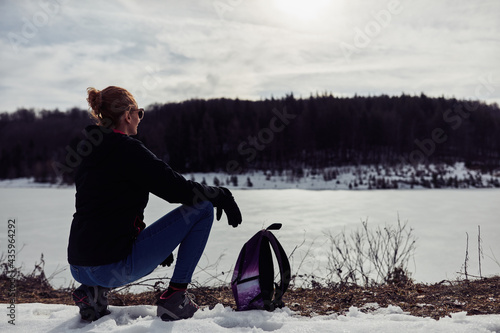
(274, 226)
(284, 266)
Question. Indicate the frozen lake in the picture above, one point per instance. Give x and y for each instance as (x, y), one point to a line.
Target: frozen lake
(440, 219)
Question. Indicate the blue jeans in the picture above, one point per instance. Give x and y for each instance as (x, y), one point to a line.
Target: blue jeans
(185, 225)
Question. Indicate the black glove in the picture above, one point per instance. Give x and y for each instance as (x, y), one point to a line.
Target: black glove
(225, 201)
(168, 261)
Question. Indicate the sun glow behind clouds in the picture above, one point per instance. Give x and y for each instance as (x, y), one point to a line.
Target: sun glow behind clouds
(302, 9)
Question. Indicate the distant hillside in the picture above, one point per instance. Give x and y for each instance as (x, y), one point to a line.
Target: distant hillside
(234, 136)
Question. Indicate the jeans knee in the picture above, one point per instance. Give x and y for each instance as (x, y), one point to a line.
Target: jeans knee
(206, 213)
(201, 211)
(208, 207)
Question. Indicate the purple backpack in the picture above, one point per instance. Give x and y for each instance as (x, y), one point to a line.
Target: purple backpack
(253, 278)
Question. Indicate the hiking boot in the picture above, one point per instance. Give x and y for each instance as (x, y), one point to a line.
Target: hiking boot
(179, 305)
(92, 301)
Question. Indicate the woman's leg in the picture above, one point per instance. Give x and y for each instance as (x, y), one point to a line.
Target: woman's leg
(185, 225)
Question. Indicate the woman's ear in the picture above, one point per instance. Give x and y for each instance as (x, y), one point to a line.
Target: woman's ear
(127, 117)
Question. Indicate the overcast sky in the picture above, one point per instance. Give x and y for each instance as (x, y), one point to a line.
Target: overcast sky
(167, 51)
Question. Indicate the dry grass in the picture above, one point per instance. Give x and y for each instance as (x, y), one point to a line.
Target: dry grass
(481, 296)
(435, 300)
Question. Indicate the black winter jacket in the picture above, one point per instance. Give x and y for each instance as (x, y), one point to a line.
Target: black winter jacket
(113, 182)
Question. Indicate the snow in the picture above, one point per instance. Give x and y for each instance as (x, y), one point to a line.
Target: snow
(440, 219)
(133, 319)
(359, 177)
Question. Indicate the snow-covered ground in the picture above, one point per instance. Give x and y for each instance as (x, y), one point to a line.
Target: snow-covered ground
(440, 219)
(360, 177)
(134, 319)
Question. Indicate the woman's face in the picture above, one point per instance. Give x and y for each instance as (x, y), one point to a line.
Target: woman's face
(131, 120)
(136, 115)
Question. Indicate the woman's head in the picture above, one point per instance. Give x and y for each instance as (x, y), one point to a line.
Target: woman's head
(108, 106)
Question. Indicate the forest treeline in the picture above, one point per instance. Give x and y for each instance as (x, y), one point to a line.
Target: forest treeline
(232, 135)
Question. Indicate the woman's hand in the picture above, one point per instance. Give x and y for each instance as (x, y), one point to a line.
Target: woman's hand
(225, 202)
(169, 261)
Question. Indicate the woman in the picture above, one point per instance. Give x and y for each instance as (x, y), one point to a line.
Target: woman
(109, 245)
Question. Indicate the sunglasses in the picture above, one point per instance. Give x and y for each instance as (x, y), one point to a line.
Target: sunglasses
(140, 113)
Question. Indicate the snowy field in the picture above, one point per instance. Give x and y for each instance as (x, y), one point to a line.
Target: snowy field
(135, 319)
(440, 219)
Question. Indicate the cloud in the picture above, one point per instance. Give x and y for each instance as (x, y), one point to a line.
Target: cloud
(172, 50)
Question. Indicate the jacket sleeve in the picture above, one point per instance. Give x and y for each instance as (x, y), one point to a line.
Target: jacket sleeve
(160, 179)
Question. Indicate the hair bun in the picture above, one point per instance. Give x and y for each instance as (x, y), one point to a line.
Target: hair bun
(95, 100)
